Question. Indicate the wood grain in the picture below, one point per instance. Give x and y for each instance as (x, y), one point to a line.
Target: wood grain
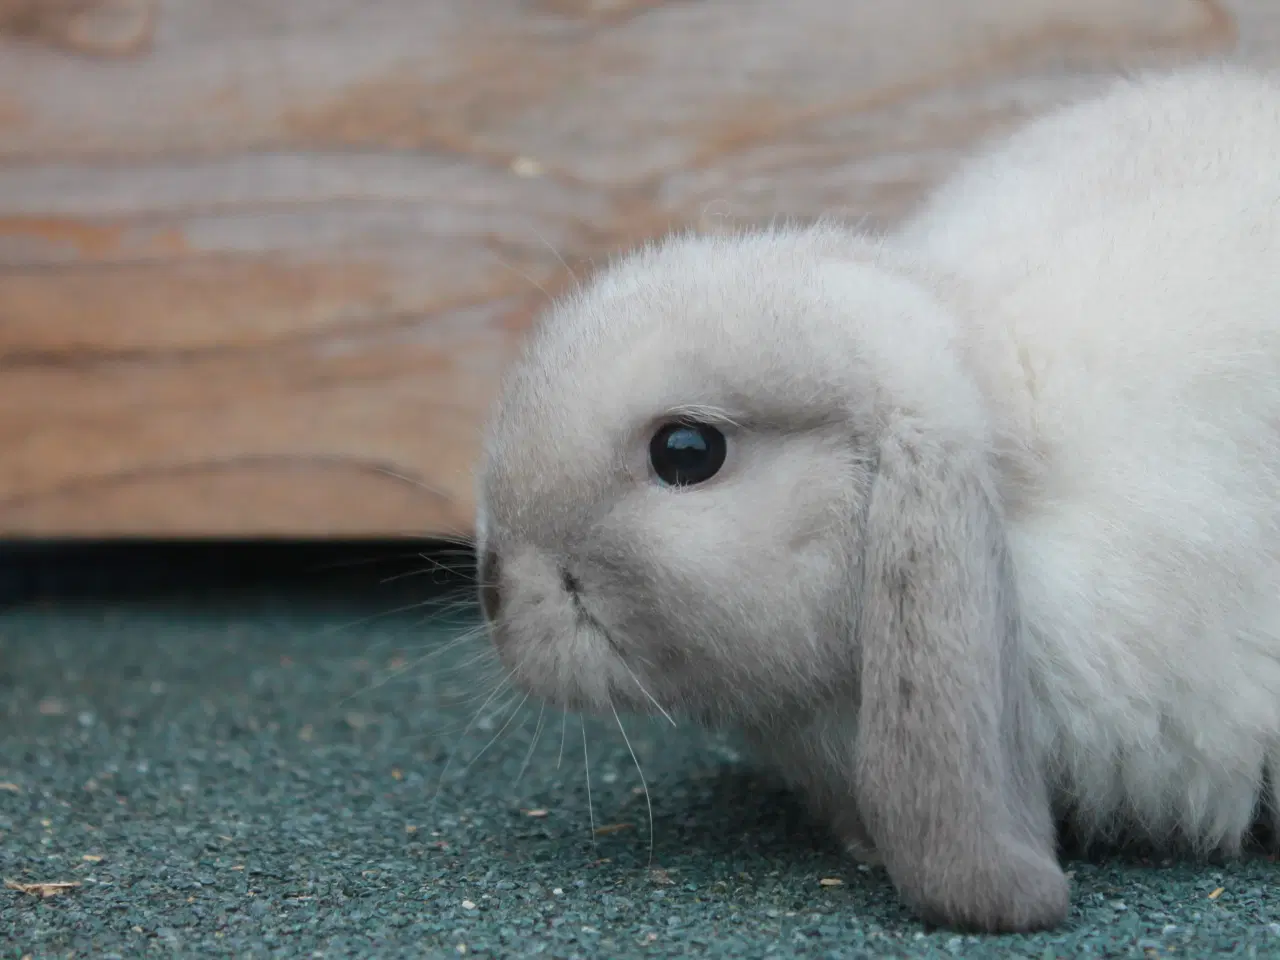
(262, 261)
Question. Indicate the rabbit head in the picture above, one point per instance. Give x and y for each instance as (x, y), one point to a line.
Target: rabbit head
(748, 479)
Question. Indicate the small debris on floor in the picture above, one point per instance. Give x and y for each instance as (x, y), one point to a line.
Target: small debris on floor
(41, 889)
(613, 828)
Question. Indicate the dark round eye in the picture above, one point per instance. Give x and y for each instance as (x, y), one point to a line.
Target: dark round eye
(683, 454)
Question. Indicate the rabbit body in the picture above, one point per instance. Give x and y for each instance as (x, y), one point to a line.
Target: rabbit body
(1122, 264)
(997, 538)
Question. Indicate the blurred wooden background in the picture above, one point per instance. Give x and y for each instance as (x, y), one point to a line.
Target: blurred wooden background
(262, 261)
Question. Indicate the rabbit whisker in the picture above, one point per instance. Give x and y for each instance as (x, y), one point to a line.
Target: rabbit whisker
(648, 801)
(418, 605)
(528, 279)
(564, 725)
(496, 736)
(586, 768)
(464, 637)
(499, 688)
(657, 705)
(537, 732)
(550, 246)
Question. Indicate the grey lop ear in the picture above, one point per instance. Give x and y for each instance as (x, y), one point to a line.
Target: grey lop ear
(947, 782)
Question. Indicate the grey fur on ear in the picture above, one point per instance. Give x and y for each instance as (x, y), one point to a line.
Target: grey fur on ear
(947, 781)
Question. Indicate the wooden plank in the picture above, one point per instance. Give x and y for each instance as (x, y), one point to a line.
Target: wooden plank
(262, 261)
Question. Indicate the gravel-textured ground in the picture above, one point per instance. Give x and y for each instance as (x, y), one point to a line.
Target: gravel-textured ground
(251, 773)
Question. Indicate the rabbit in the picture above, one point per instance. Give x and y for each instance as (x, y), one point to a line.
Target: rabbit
(971, 525)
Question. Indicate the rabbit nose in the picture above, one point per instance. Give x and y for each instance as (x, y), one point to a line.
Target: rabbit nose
(571, 584)
(490, 586)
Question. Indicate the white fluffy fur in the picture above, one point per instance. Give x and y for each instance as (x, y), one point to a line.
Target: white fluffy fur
(1119, 264)
(1092, 304)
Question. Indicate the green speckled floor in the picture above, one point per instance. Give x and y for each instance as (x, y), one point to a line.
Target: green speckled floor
(247, 772)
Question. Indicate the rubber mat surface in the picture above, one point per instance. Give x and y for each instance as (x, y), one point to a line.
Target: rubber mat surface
(266, 770)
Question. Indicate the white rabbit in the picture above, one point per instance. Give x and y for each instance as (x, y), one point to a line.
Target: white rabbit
(972, 527)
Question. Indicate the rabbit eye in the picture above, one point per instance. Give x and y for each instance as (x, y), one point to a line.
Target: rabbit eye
(683, 454)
